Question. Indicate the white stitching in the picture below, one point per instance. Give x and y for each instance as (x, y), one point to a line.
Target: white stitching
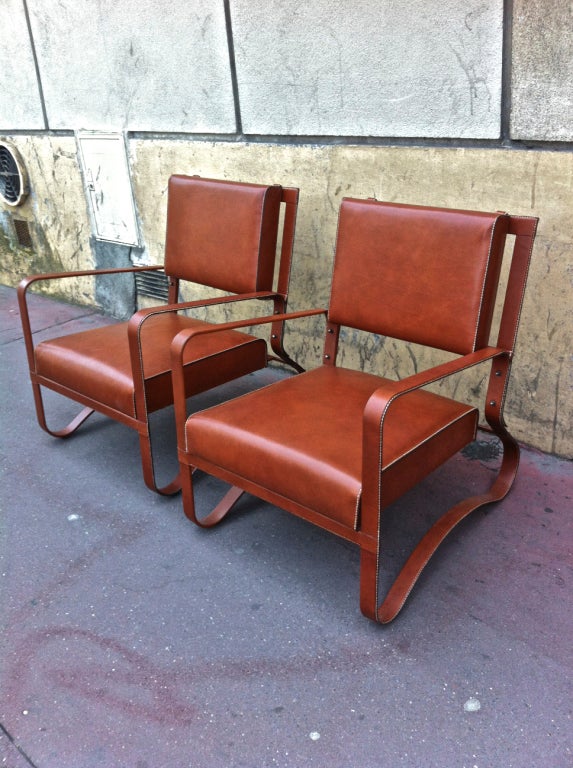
(407, 453)
(493, 229)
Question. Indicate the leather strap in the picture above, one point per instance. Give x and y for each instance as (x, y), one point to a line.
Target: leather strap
(76, 422)
(149, 471)
(402, 586)
(222, 508)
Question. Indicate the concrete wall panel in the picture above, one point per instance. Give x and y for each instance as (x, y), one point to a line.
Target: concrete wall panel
(135, 65)
(20, 105)
(370, 67)
(542, 88)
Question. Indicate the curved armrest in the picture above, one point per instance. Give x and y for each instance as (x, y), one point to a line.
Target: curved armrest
(381, 400)
(136, 322)
(28, 281)
(185, 337)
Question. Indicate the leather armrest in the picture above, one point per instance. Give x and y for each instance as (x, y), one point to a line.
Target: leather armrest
(139, 317)
(28, 281)
(136, 322)
(381, 400)
(184, 337)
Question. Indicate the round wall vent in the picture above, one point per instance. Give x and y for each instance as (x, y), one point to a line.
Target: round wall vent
(13, 176)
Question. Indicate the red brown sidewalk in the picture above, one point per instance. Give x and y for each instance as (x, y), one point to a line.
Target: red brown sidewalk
(131, 639)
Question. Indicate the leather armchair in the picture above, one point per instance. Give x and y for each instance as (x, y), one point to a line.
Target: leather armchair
(220, 234)
(337, 446)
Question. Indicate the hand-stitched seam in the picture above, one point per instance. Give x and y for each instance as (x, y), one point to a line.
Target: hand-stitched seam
(261, 228)
(334, 290)
(407, 453)
(530, 252)
(245, 343)
(430, 437)
(489, 255)
(382, 417)
(235, 400)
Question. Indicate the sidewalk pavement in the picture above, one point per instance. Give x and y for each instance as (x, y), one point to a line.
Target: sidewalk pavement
(132, 639)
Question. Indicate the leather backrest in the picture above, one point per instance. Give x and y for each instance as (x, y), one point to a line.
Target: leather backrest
(424, 275)
(222, 233)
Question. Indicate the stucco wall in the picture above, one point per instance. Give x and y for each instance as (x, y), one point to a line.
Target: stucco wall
(376, 69)
(542, 94)
(441, 105)
(363, 68)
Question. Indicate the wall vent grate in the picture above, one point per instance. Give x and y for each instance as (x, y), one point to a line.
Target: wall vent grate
(23, 234)
(13, 179)
(155, 285)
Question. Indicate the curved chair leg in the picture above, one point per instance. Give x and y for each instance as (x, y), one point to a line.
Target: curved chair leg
(41, 416)
(149, 472)
(282, 357)
(402, 586)
(218, 513)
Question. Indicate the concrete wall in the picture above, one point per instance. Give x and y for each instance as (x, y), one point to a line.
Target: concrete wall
(542, 94)
(369, 68)
(417, 107)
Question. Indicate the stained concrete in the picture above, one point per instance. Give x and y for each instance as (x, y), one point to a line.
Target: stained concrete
(132, 639)
(135, 65)
(57, 215)
(542, 71)
(369, 69)
(20, 104)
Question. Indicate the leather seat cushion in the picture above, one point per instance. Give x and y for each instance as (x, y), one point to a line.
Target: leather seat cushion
(96, 363)
(302, 437)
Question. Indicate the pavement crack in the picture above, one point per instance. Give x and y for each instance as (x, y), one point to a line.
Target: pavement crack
(17, 746)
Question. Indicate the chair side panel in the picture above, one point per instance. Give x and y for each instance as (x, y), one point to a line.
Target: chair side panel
(424, 275)
(222, 233)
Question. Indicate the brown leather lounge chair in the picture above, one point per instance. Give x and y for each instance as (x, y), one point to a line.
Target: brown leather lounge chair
(337, 446)
(220, 234)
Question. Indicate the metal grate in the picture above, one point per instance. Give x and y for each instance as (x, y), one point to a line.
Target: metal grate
(23, 235)
(152, 284)
(13, 186)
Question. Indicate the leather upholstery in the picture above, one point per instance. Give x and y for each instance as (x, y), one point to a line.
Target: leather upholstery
(222, 233)
(96, 363)
(302, 437)
(439, 264)
(336, 446)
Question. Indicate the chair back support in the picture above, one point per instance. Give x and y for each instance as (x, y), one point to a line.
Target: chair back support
(222, 234)
(423, 275)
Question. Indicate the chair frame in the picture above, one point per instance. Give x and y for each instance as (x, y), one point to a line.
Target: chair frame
(140, 422)
(374, 495)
